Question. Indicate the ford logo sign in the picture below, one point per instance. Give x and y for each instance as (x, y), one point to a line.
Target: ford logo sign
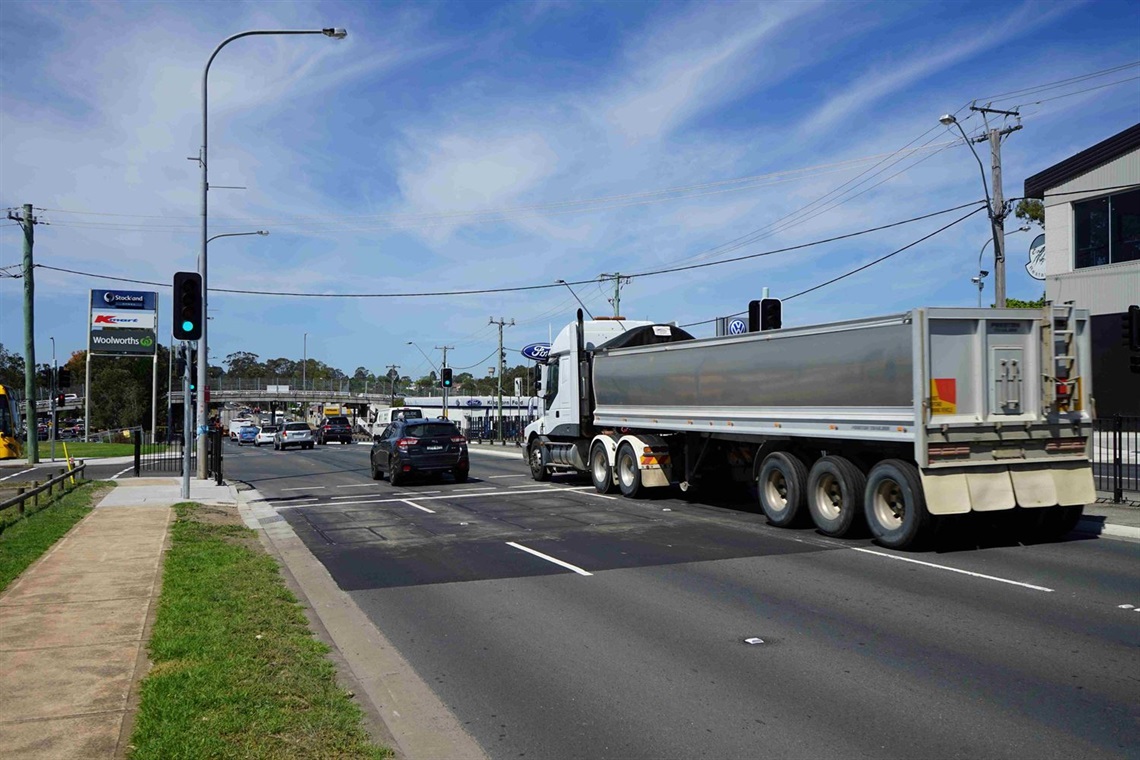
(538, 352)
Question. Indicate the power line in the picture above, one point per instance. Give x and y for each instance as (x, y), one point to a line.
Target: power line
(857, 269)
(1059, 83)
(1076, 92)
(521, 288)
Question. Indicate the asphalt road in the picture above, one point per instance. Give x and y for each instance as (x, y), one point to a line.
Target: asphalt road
(637, 645)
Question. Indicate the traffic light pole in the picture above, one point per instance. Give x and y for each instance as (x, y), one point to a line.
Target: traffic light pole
(446, 389)
(187, 422)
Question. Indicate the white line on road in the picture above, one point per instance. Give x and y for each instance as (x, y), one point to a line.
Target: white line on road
(417, 506)
(358, 485)
(548, 558)
(953, 569)
(481, 488)
(599, 495)
(291, 504)
(493, 477)
(305, 488)
(117, 474)
(8, 477)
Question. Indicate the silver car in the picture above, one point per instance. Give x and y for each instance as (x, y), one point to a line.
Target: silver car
(293, 434)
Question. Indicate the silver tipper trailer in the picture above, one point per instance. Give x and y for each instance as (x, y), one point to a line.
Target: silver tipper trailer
(894, 420)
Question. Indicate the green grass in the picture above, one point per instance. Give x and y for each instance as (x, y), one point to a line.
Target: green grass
(237, 673)
(92, 450)
(24, 541)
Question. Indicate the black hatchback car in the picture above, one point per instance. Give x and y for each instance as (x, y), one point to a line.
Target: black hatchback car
(334, 429)
(419, 446)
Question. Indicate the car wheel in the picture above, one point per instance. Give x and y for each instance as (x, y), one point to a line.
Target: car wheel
(376, 474)
(395, 474)
(460, 475)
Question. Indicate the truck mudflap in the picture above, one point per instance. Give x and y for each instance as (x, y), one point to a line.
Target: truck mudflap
(953, 491)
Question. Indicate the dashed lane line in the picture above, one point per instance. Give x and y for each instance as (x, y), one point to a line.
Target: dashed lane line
(291, 504)
(548, 558)
(417, 506)
(952, 569)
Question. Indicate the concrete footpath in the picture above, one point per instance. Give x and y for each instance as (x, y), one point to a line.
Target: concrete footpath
(74, 627)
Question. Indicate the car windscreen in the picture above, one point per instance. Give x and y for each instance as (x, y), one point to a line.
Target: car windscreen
(269, 429)
(431, 430)
(297, 426)
(248, 430)
(338, 420)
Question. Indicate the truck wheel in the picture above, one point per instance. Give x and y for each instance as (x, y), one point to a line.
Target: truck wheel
(538, 471)
(629, 475)
(782, 483)
(600, 471)
(835, 495)
(895, 505)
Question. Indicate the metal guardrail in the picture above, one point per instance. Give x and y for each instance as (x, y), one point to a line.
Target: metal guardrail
(22, 496)
(1116, 455)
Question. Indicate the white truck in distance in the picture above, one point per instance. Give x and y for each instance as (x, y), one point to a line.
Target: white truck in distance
(894, 421)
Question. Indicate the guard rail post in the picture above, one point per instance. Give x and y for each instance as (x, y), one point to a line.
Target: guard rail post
(1117, 459)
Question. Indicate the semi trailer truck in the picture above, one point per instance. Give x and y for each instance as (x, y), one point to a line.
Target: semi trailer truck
(894, 422)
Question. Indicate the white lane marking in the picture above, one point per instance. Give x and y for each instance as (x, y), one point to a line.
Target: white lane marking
(953, 569)
(22, 472)
(493, 477)
(602, 496)
(294, 501)
(291, 504)
(417, 506)
(481, 488)
(548, 558)
(358, 485)
(305, 488)
(117, 474)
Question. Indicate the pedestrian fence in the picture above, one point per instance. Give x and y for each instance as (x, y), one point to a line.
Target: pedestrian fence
(1116, 456)
(16, 507)
(487, 428)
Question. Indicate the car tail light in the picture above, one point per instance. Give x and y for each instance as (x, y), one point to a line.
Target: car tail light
(458, 439)
(404, 443)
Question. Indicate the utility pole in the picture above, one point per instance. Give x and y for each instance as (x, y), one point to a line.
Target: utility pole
(501, 323)
(393, 375)
(998, 210)
(28, 222)
(618, 282)
(446, 390)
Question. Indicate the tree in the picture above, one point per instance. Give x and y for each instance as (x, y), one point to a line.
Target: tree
(244, 364)
(1017, 303)
(1030, 210)
(11, 369)
(282, 367)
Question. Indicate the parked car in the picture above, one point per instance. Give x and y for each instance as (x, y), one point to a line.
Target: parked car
(334, 429)
(293, 434)
(265, 434)
(247, 434)
(419, 446)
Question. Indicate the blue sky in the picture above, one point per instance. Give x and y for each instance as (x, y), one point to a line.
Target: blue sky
(456, 146)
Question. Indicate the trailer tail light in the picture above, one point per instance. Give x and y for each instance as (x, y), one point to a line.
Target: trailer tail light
(1066, 444)
(403, 443)
(948, 450)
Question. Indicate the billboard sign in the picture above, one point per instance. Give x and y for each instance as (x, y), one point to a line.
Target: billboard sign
(1036, 264)
(123, 299)
(538, 352)
(122, 318)
(123, 342)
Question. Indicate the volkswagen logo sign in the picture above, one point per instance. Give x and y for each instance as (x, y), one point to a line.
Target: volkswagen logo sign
(737, 327)
(538, 352)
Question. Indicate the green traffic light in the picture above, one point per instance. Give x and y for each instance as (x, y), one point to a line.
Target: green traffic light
(187, 325)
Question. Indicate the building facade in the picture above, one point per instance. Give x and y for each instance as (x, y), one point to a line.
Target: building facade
(1092, 254)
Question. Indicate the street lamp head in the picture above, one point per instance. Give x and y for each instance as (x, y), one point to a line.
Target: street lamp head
(560, 282)
(947, 119)
(984, 273)
(263, 233)
(336, 34)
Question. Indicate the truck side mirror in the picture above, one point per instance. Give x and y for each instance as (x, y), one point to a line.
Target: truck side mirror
(537, 386)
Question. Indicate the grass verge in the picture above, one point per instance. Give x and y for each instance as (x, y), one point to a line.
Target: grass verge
(25, 541)
(237, 673)
(95, 450)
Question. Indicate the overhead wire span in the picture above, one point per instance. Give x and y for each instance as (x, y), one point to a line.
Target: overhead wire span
(522, 288)
(857, 269)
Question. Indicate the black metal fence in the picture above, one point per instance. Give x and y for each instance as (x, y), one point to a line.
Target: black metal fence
(1116, 456)
(167, 456)
(487, 428)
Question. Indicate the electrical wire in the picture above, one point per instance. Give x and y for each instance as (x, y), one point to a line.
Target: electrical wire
(856, 270)
(522, 288)
(1076, 92)
(1058, 83)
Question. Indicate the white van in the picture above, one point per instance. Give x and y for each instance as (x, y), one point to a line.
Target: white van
(386, 416)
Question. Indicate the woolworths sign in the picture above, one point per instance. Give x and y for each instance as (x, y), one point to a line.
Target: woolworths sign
(123, 342)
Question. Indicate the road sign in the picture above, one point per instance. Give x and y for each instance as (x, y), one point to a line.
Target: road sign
(737, 327)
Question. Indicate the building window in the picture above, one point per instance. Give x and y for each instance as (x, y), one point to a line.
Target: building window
(1107, 230)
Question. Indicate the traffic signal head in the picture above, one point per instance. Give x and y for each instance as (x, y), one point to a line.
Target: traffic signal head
(63, 378)
(445, 377)
(1132, 328)
(188, 311)
(765, 314)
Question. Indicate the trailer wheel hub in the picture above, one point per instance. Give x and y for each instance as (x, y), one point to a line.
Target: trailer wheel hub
(889, 504)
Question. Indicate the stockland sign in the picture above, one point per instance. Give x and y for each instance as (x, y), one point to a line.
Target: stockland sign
(123, 299)
(123, 342)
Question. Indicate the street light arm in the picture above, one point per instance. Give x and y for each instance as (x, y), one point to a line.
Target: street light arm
(981, 168)
(413, 343)
(576, 298)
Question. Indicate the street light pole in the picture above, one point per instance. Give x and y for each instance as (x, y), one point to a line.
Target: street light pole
(203, 364)
(996, 206)
(54, 393)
